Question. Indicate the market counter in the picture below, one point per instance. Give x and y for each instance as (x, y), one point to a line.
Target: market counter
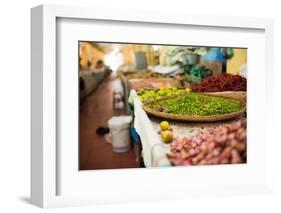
(154, 151)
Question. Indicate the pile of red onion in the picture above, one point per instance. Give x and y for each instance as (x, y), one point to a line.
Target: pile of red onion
(220, 145)
(225, 82)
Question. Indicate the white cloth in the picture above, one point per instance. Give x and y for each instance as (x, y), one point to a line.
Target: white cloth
(165, 69)
(153, 151)
(243, 71)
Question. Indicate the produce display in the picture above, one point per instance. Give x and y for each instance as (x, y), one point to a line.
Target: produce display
(219, 145)
(225, 82)
(166, 132)
(150, 95)
(194, 104)
(138, 84)
(142, 74)
(167, 136)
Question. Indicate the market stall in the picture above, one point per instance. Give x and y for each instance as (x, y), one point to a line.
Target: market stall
(162, 105)
(150, 80)
(153, 150)
(155, 153)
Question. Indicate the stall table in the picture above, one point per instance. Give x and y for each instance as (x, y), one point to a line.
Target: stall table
(154, 151)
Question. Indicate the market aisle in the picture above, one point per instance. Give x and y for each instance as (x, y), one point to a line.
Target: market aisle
(95, 152)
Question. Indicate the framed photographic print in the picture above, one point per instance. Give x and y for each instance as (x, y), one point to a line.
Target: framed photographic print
(130, 106)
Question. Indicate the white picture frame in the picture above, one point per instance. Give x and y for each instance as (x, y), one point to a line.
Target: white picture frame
(44, 153)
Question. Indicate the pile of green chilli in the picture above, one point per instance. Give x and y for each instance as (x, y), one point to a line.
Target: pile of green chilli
(194, 104)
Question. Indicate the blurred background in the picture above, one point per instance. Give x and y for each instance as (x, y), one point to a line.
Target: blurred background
(131, 57)
(110, 71)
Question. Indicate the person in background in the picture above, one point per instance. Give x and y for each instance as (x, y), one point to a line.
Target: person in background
(216, 59)
(99, 64)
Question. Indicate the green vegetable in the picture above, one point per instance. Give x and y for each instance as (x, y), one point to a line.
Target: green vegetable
(150, 95)
(195, 104)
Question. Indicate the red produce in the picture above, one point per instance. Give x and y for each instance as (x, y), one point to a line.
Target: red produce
(225, 82)
(219, 145)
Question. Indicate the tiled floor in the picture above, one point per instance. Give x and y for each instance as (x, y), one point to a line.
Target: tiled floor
(95, 152)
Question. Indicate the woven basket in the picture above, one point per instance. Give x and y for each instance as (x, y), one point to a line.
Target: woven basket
(229, 94)
(241, 96)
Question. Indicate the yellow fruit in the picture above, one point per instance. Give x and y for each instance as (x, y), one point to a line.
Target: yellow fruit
(188, 90)
(167, 136)
(162, 93)
(164, 125)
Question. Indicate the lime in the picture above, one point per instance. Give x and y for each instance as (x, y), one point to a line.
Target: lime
(167, 136)
(164, 125)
